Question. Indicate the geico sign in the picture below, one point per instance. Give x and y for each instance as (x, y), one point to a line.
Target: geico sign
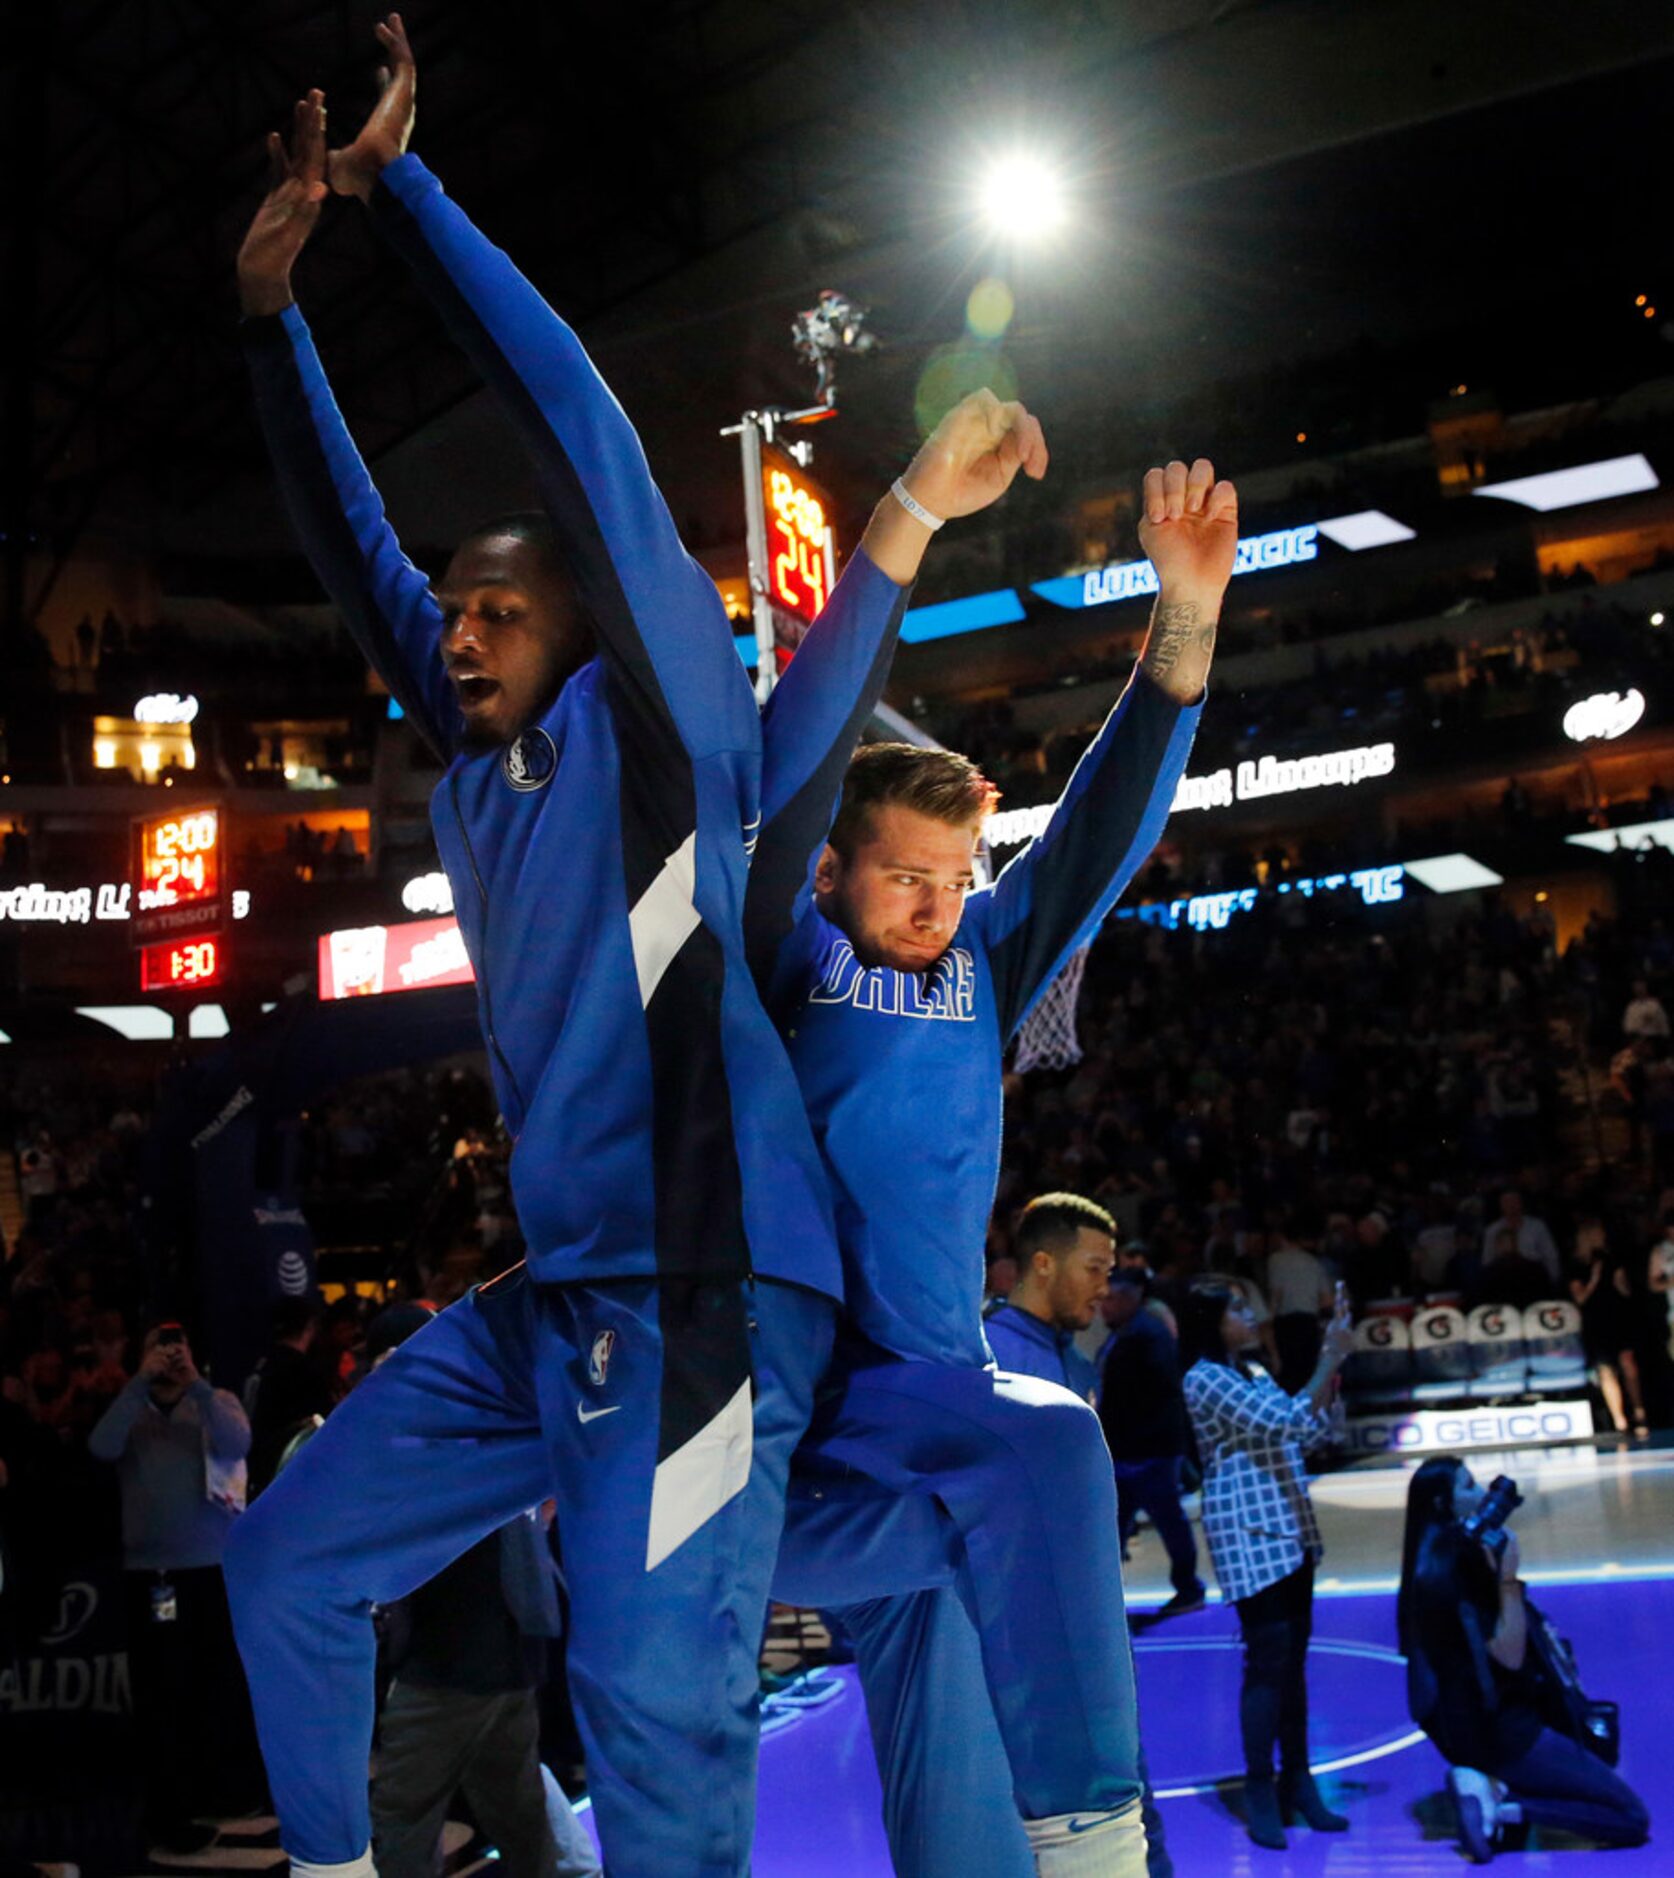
(1606, 714)
(1429, 1429)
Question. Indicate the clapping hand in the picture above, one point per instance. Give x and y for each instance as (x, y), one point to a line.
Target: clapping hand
(1190, 531)
(355, 169)
(972, 457)
(289, 211)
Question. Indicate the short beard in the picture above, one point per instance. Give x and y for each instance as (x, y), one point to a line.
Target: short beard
(479, 739)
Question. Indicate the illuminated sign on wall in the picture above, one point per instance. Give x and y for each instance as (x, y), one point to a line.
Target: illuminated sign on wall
(1130, 578)
(428, 893)
(1214, 912)
(367, 961)
(801, 548)
(112, 900)
(165, 707)
(1221, 788)
(1283, 776)
(1604, 715)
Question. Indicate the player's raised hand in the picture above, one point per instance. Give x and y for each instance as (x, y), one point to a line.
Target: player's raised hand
(972, 456)
(1190, 530)
(353, 170)
(288, 212)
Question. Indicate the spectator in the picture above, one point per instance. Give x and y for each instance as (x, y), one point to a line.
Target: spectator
(1066, 1249)
(1300, 1294)
(1598, 1282)
(1644, 1016)
(1144, 1416)
(1263, 1539)
(1531, 1237)
(287, 1389)
(178, 1446)
(1509, 1275)
(468, 1656)
(462, 1714)
(1659, 1273)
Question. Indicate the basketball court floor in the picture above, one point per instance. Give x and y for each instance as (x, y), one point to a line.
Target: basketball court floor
(1597, 1536)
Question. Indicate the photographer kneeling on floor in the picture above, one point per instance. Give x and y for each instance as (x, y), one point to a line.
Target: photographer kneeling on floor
(1491, 1683)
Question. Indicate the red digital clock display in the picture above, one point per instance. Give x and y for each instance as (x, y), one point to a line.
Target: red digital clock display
(801, 547)
(178, 875)
(181, 965)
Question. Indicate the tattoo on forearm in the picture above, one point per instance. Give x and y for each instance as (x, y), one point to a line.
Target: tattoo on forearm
(1179, 635)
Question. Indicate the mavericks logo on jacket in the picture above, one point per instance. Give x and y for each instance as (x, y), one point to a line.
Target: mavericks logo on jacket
(530, 762)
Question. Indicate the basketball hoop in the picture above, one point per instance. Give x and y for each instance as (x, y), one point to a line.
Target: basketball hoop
(1047, 1039)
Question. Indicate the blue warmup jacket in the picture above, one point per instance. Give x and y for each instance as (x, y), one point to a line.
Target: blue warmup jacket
(599, 863)
(1024, 1346)
(901, 1071)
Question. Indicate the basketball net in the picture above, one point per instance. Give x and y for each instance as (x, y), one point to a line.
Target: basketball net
(1047, 1039)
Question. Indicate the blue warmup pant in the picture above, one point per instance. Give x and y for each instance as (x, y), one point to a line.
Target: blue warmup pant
(518, 1392)
(1005, 1496)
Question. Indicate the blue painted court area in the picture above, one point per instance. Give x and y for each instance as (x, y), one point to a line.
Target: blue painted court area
(819, 1792)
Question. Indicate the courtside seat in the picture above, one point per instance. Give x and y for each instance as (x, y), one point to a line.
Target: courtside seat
(1552, 1341)
(1498, 1361)
(1441, 1354)
(1378, 1373)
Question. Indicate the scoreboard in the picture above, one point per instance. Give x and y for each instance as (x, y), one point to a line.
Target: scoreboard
(179, 897)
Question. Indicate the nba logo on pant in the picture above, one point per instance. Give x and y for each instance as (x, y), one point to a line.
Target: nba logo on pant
(598, 1358)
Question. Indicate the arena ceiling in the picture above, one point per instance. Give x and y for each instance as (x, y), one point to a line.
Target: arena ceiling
(679, 176)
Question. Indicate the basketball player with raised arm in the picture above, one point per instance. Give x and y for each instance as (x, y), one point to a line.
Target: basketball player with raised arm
(897, 986)
(653, 1363)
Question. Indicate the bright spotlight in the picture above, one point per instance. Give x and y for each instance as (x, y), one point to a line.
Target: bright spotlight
(1022, 198)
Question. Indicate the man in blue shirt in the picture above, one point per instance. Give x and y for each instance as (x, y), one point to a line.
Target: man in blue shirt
(654, 1361)
(1066, 1252)
(897, 985)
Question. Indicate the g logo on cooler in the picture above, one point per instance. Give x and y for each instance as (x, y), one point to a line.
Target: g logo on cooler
(530, 761)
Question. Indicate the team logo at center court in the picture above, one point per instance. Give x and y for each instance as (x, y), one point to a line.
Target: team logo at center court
(598, 1358)
(530, 761)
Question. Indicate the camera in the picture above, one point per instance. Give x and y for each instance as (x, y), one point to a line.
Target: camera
(172, 1334)
(1487, 1523)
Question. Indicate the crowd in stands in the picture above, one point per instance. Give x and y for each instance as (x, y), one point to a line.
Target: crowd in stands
(1441, 687)
(1419, 1108)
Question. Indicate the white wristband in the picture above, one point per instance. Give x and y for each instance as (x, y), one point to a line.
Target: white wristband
(914, 508)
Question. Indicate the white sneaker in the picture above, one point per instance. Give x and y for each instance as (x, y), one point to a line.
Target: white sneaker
(1475, 1811)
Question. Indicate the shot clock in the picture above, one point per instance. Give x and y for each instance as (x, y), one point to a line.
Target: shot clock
(800, 548)
(179, 899)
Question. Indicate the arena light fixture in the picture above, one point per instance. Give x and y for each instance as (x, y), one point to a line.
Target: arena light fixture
(1022, 197)
(139, 1023)
(208, 1020)
(1366, 528)
(4, 1037)
(1631, 835)
(1453, 873)
(1588, 482)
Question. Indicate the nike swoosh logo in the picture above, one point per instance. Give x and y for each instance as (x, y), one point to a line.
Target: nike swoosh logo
(1087, 1825)
(585, 1415)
